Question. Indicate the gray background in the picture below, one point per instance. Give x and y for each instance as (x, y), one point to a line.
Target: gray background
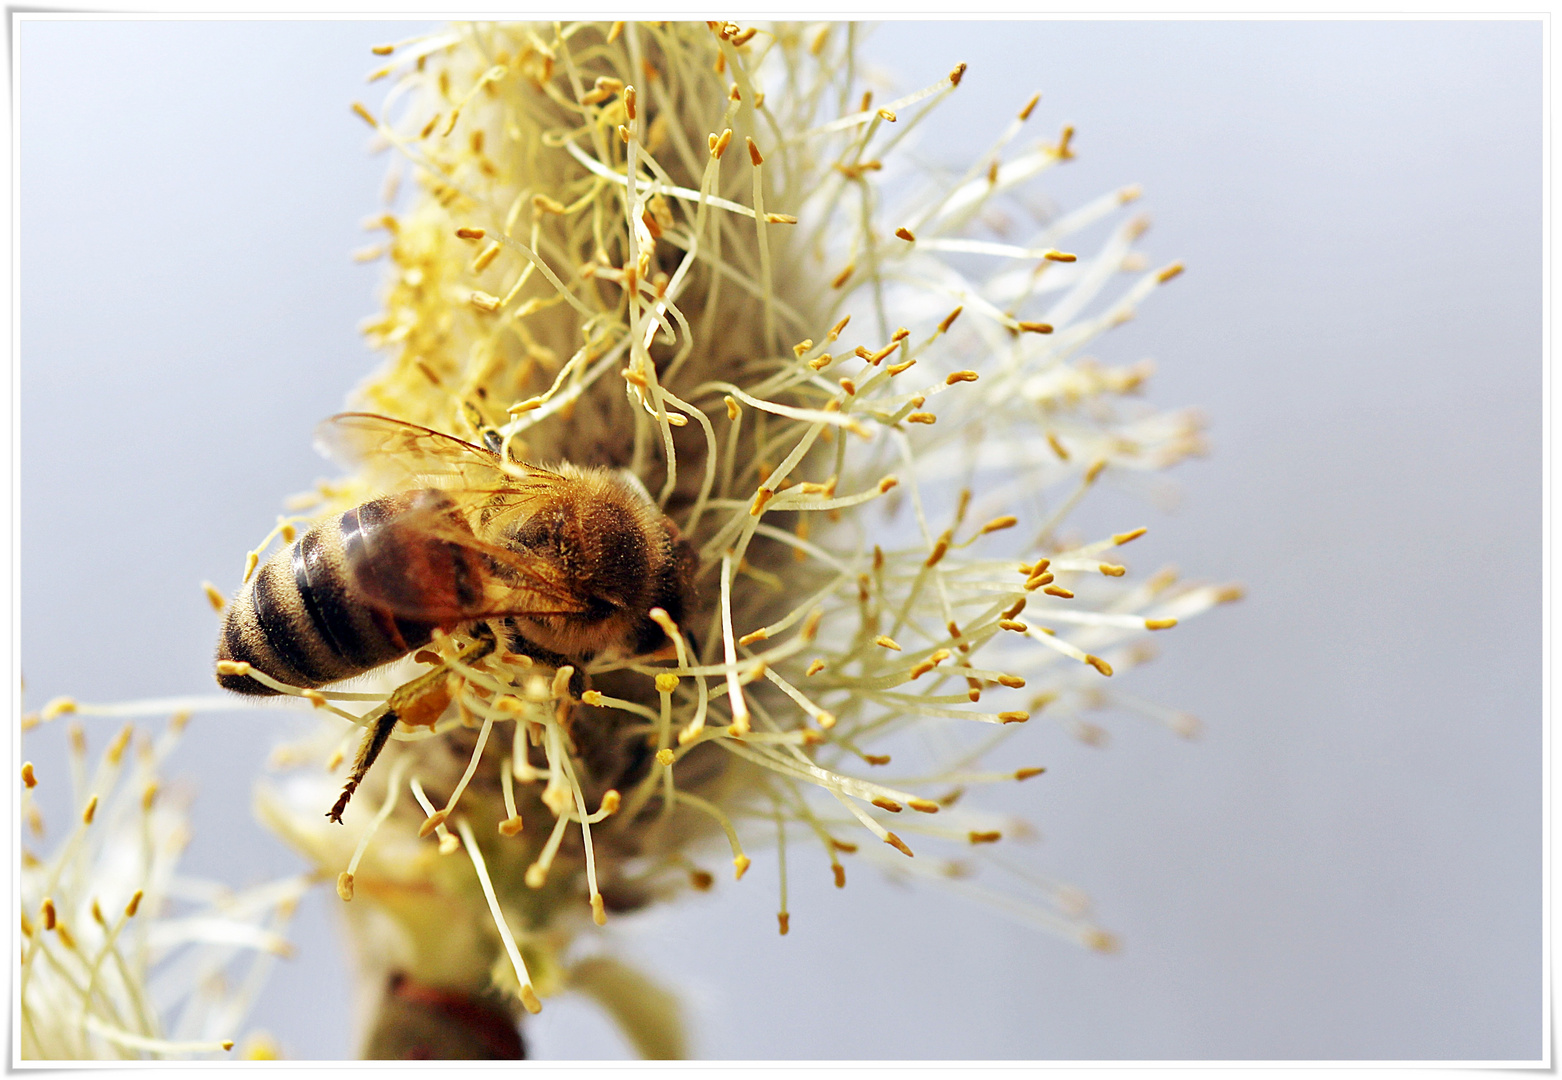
(1346, 865)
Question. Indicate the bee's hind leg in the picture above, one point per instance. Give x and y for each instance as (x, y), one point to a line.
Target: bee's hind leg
(373, 742)
(406, 699)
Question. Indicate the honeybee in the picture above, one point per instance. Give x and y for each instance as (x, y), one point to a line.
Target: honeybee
(563, 565)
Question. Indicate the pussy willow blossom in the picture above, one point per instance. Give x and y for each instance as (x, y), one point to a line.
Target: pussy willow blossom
(691, 251)
(121, 957)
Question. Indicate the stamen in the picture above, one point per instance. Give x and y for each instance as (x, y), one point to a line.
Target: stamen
(344, 881)
(522, 976)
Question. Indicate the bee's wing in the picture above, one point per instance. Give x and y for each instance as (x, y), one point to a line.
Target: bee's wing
(421, 561)
(394, 454)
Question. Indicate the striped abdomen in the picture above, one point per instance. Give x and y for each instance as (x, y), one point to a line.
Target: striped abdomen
(344, 598)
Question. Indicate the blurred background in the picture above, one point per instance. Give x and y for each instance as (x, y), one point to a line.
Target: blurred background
(1346, 865)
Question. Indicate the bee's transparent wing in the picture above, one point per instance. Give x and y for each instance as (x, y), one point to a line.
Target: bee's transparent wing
(393, 454)
(416, 557)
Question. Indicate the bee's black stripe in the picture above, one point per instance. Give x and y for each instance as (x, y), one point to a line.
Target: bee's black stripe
(282, 635)
(320, 588)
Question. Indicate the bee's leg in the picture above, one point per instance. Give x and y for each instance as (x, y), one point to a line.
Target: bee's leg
(515, 642)
(373, 742)
(403, 699)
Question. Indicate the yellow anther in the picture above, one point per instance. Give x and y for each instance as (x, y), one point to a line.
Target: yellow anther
(1058, 590)
(213, 596)
(1018, 716)
(1123, 538)
(1099, 664)
(1027, 773)
(758, 635)
(344, 885)
(1159, 624)
(27, 775)
(740, 865)
(486, 257)
(887, 804)
(886, 642)
(1035, 327)
(434, 821)
(1113, 570)
(666, 683)
(665, 757)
